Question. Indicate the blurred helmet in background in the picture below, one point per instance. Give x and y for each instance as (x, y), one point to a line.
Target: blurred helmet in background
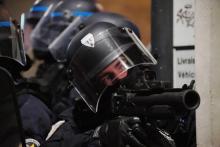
(12, 56)
(31, 18)
(55, 20)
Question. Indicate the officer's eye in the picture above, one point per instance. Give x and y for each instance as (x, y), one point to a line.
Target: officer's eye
(108, 76)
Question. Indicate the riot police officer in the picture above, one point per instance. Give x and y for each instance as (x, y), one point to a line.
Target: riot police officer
(99, 57)
(35, 116)
(12, 60)
(58, 47)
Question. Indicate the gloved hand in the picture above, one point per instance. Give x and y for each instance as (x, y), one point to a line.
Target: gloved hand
(121, 132)
(158, 137)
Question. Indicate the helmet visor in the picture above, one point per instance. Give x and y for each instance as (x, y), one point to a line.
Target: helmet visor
(52, 24)
(59, 46)
(11, 42)
(37, 11)
(109, 57)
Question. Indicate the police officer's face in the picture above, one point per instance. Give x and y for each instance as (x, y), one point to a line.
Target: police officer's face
(114, 72)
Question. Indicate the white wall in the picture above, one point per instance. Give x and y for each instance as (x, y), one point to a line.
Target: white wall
(207, 47)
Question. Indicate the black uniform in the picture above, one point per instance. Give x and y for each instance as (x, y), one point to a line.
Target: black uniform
(69, 133)
(37, 119)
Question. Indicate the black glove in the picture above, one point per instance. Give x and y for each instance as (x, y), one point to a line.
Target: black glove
(121, 132)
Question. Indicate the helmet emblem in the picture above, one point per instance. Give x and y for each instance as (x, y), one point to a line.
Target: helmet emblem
(88, 40)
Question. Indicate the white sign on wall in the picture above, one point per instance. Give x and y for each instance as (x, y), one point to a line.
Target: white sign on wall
(183, 22)
(183, 67)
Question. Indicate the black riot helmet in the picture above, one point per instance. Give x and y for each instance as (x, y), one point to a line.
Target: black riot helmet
(100, 55)
(59, 45)
(12, 56)
(30, 19)
(56, 19)
(37, 10)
